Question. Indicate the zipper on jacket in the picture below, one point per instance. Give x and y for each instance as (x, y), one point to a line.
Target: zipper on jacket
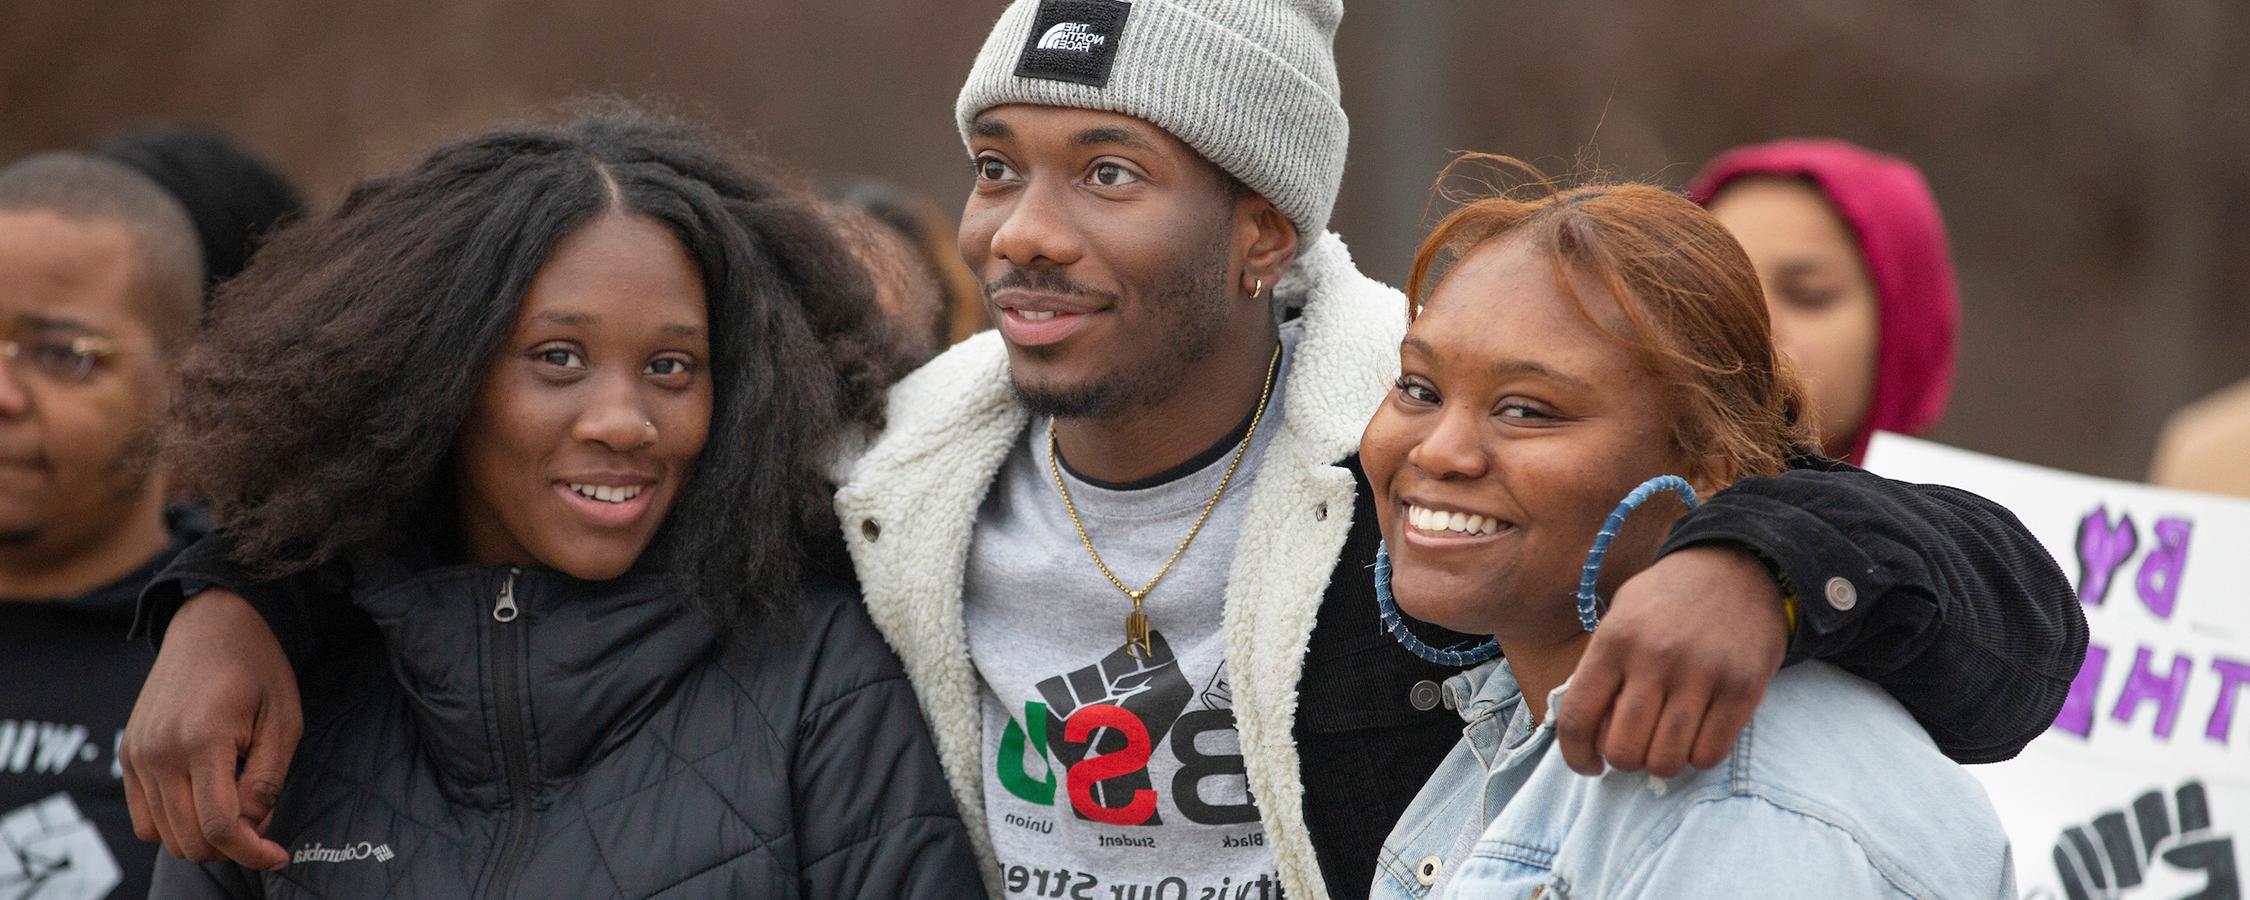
(504, 609)
(515, 754)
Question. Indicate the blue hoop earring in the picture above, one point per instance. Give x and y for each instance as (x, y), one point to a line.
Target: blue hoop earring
(1460, 656)
(1589, 605)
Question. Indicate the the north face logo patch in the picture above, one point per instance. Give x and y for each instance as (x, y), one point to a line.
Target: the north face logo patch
(1074, 41)
(1072, 37)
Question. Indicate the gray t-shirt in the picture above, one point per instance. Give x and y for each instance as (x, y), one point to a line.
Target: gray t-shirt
(1106, 775)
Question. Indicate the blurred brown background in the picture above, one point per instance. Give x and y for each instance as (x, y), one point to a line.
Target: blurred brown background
(2093, 158)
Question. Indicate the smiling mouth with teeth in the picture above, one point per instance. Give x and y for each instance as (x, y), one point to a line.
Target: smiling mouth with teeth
(607, 493)
(1441, 521)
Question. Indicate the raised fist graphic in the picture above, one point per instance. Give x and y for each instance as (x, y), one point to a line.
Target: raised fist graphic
(2157, 849)
(50, 852)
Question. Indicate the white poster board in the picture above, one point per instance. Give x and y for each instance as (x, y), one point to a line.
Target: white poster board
(2141, 789)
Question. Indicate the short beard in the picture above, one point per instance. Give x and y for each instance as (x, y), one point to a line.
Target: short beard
(1082, 402)
(1190, 305)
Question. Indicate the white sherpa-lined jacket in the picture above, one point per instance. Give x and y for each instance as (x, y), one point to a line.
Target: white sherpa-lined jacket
(910, 503)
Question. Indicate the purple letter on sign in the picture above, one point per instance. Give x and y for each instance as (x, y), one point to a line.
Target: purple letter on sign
(2162, 567)
(2102, 548)
(2232, 675)
(2077, 715)
(2142, 684)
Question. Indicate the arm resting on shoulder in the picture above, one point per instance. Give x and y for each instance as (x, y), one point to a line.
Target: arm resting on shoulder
(1939, 595)
(208, 745)
(301, 610)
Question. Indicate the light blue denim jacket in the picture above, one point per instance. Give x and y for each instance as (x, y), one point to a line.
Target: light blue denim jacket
(1832, 791)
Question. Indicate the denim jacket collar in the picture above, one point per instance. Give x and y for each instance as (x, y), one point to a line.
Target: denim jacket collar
(1468, 788)
(1485, 697)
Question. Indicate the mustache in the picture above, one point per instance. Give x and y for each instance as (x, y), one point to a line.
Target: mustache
(1045, 281)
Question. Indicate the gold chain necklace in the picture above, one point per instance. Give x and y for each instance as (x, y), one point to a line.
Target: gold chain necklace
(1136, 622)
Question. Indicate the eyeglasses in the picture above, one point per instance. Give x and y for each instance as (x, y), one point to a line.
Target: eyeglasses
(59, 361)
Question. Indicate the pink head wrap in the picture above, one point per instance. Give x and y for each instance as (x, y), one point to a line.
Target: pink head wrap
(1902, 238)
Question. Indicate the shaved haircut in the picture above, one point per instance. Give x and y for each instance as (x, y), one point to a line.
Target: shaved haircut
(91, 190)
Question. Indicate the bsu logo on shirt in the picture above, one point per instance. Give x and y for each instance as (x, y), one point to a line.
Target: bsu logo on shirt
(1103, 723)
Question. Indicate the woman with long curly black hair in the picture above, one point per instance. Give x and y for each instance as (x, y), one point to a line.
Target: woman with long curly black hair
(554, 410)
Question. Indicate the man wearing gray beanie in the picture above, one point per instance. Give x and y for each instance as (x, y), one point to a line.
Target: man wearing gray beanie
(1153, 434)
(1121, 542)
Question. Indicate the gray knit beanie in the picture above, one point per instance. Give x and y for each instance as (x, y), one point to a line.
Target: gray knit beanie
(1250, 84)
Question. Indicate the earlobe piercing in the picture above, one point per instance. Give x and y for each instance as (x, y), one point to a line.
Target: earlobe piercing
(1257, 287)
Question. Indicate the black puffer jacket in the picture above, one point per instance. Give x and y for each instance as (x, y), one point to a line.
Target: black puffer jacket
(525, 734)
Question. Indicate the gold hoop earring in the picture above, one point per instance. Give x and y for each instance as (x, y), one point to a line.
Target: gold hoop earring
(1258, 286)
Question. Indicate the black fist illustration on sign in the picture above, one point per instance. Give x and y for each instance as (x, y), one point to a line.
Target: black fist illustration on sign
(2161, 847)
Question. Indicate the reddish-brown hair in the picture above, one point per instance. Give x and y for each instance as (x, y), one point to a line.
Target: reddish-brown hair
(1692, 305)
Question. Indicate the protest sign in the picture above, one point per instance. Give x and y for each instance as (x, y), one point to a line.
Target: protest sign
(2142, 786)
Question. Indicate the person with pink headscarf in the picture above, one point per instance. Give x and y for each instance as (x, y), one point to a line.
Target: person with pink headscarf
(1852, 254)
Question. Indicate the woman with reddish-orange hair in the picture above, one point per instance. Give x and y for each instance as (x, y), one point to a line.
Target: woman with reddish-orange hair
(1565, 352)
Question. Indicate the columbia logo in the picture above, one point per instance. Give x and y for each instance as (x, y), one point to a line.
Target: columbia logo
(1072, 37)
(345, 853)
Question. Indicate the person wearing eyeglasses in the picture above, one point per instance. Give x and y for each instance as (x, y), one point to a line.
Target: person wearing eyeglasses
(101, 281)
